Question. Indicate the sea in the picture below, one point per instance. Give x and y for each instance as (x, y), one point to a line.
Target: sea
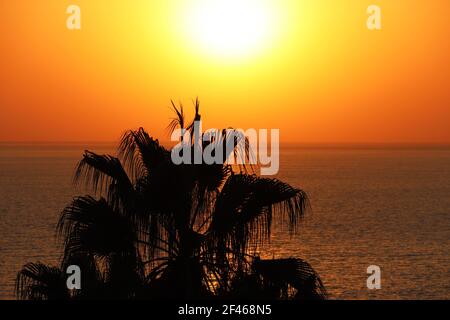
(371, 205)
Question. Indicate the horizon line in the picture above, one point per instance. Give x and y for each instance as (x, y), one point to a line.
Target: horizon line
(331, 143)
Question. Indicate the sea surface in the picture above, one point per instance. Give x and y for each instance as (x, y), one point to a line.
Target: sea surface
(371, 205)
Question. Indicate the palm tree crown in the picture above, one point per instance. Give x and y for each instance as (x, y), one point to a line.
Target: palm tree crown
(154, 229)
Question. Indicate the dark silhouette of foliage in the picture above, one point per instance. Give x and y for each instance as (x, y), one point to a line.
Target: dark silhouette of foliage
(37, 281)
(154, 229)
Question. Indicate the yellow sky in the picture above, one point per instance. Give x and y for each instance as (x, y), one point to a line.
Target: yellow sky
(318, 74)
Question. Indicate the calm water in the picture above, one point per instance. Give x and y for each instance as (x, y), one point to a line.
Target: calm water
(388, 207)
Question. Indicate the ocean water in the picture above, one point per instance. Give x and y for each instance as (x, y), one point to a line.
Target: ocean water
(371, 205)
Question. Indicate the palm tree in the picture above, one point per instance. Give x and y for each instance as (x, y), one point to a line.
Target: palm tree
(157, 230)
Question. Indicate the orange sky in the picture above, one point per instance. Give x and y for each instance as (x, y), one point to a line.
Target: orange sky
(322, 77)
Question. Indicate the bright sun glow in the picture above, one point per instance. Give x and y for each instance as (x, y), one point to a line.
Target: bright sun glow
(231, 28)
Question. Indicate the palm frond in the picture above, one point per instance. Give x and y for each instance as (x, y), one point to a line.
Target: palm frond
(179, 120)
(141, 153)
(283, 274)
(106, 173)
(37, 281)
(197, 117)
(91, 226)
(245, 208)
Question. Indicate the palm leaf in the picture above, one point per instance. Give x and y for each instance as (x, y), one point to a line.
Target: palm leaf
(179, 120)
(106, 172)
(93, 227)
(281, 274)
(245, 208)
(37, 281)
(141, 153)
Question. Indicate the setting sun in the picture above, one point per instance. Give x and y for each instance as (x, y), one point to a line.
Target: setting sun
(230, 28)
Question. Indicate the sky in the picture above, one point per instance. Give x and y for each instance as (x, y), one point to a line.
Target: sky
(309, 68)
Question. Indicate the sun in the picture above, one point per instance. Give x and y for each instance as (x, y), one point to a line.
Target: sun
(231, 28)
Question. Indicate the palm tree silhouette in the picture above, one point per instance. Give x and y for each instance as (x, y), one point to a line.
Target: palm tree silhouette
(159, 230)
